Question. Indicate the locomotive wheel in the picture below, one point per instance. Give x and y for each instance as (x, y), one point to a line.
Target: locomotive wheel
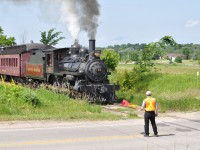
(64, 85)
(56, 83)
(83, 95)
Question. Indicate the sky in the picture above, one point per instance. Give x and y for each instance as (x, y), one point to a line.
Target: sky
(119, 22)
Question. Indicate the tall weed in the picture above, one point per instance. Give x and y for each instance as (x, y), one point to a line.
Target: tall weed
(173, 91)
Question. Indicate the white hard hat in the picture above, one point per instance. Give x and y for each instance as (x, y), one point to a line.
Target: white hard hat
(148, 93)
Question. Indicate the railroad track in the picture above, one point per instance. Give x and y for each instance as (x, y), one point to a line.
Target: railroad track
(117, 109)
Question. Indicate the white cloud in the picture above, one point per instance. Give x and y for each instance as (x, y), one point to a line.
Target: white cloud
(192, 23)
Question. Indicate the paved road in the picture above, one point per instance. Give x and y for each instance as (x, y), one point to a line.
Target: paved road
(176, 133)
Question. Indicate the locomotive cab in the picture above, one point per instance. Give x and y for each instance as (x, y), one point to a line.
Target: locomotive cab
(54, 57)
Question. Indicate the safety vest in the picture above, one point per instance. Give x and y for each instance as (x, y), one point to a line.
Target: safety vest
(150, 104)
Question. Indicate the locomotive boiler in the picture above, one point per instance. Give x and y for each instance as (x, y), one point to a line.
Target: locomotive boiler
(76, 68)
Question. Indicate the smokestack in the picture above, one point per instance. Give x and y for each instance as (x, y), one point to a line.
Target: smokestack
(91, 45)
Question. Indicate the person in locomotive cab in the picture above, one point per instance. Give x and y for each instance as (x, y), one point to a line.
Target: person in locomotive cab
(151, 111)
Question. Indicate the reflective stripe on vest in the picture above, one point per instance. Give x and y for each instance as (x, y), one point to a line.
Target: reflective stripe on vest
(150, 104)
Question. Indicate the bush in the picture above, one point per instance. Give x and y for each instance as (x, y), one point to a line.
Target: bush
(136, 81)
(111, 59)
(30, 97)
(17, 95)
(178, 59)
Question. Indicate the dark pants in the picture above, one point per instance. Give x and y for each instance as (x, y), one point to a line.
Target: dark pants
(150, 116)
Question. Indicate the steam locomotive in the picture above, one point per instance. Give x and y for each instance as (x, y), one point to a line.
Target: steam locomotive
(76, 68)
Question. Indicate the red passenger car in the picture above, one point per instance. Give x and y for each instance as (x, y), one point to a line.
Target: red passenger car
(21, 61)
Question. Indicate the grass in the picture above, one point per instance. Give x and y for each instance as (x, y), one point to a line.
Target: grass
(176, 86)
(179, 92)
(163, 66)
(19, 103)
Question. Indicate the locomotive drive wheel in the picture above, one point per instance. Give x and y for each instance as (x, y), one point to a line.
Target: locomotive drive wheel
(83, 95)
(56, 83)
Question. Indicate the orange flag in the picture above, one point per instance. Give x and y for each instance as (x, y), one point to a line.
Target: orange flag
(126, 103)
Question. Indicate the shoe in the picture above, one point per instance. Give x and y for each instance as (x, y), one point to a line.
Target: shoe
(146, 135)
(156, 135)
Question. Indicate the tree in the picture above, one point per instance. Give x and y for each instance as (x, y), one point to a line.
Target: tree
(195, 56)
(111, 58)
(157, 48)
(186, 52)
(6, 41)
(50, 38)
(145, 64)
(167, 40)
(134, 56)
(178, 59)
(151, 51)
(1, 30)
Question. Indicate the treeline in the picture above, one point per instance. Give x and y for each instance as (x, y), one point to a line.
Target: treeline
(130, 52)
(128, 46)
(138, 46)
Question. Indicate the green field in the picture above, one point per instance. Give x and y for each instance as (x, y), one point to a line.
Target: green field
(163, 66)
(176, 86)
